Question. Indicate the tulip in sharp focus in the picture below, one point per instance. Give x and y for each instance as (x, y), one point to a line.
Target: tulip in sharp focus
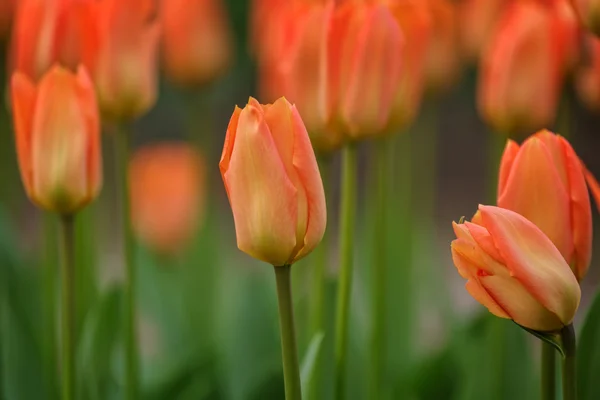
(196, 40)
(57, 135)
(589, 13)
(125, 72)
(520, 76)
(273, 183)
(515, 271)
(167, 193)
(544, 181)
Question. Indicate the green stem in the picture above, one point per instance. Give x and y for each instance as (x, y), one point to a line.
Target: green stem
(291, 368)
(378, 290)
(569, 378)
(317, 305)
(548, 372)
(122, 138)
(49, 302)
(67, 275)
(347, 217)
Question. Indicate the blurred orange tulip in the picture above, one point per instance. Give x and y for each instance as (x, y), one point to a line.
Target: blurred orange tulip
(53, 31)
(478, 20)
(196, 40)
(167, 195)
(6, 16)
(520, 76)
(587, 75)
(515, 271)
(543, 180)
(589, 13)
(126, 69)
(443, 63)
(273, 183)
(57, 135)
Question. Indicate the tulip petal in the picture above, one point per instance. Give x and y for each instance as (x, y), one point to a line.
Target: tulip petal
(534, 261)
(555, 148)
(484, 240)
(508, 158)
(522, 307)
(594, 186)
(581, 213)
(262, 197)
(468, 248)
(307, 168)
(535, 190)
(482, 296)
(23, 105)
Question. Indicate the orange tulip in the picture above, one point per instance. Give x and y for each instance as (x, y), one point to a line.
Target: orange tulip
(196, 40)
(587, 75)
(57, 136)
(415, 22)
(515, 271)
(519, 82)
(543, 180)
(6, 16)
(53, 31)
(273, 183)
(442, 66)
(363, 68)
(478, 19)
(589, 13)
(125, 73)
(167, 193)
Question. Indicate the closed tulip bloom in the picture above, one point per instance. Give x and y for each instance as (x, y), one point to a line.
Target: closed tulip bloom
(363, 68)
(57, 136)
(519, 82)
(125, 73)
(46, 32)
(544, 181)
(589, 13)
(515, 271)
(196, 40)
(273, 183)
(587, 75)
(167, 195)
(478, 19)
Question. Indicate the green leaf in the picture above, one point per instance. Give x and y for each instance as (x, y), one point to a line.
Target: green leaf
(552, 338)
(100, 335)
(588, 354)
(310, 360)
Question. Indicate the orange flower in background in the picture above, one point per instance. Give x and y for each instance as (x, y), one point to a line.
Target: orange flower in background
(125, 72)
(478, 20)
(587, 75)
(53, 31)
(57, 136)
(196, 40)
(520, 72)
(6, 16)
(273, 183)
(571, 34)
(443, 62)
(167, 195)
(589, 13)
(415, 23)
(543, 180)
(515, 271)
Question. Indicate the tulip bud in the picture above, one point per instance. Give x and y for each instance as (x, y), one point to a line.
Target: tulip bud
(57, 136)
(520, 76)
(167, 195)
(196, 40)
(479, 18)
(273, 183)
(543, 180)
(587, 75)
(589, 13)
(515, 271)
(126, 72)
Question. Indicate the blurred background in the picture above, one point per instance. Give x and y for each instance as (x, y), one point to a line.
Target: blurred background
(207, 316)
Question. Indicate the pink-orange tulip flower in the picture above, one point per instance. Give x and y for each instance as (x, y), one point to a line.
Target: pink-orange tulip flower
(196, 40)
(443, 63)
(53, 31)
(515, 271)
(520, 72)
(167, 195)
(587, 75)
(589, 13)
(57, 135)
(478, 19)
(273, 183)
(543, 180)
(125, 72)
